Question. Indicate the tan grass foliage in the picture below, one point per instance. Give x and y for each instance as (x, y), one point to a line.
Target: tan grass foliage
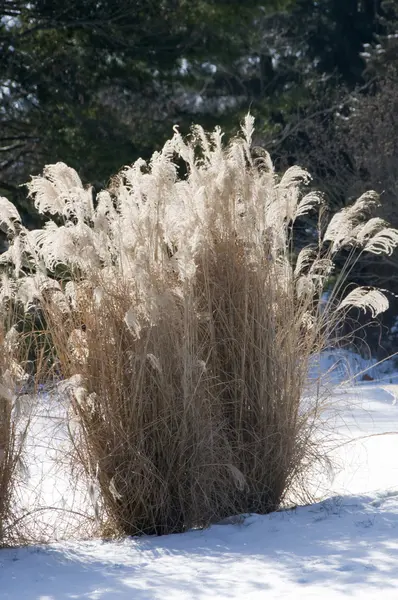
(12, 433)
(187, 324)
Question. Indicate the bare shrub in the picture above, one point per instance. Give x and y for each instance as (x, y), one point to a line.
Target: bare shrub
(349, 144)
(187, 324)
(370, 137)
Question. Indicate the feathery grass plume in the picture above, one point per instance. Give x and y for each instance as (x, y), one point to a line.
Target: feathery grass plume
(190, 325)
(382, 242)
(9, 216)
(343, 227)
(61, 192)
(366, 299)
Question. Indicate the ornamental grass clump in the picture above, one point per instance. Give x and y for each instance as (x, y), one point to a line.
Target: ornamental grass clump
(185, 323)
(7, 445)
(14, 421)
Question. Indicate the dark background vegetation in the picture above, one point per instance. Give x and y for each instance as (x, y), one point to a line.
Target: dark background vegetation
(99, 83)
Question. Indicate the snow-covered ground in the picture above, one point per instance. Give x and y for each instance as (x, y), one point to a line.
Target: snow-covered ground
(345, 546)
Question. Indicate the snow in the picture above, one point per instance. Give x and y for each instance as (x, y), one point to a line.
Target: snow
(345, 545)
